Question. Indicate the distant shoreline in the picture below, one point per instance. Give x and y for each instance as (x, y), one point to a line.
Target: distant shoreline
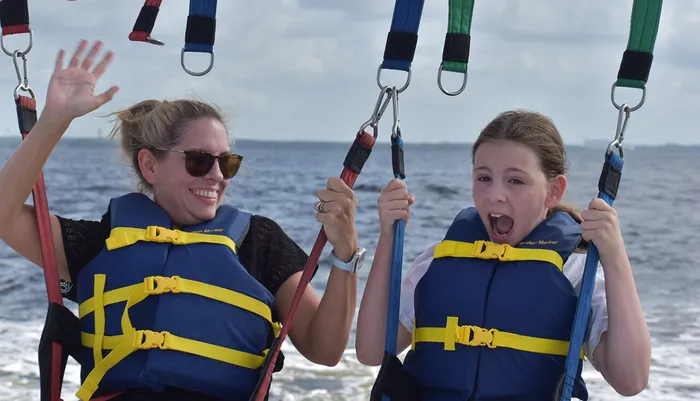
(589, 144)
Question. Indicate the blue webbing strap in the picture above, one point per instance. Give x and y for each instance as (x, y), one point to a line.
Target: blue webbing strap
(398, 55)
(397, 163)
(402, 38)
(200, 32)
(633, 73)
(607, 187)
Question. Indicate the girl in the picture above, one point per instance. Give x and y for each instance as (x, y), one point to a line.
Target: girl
(488, 311)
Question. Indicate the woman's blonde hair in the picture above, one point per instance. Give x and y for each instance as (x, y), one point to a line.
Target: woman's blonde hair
(153, 124)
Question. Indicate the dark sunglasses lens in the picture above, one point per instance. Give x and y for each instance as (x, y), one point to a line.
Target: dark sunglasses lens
(198, 164)
(229, 165)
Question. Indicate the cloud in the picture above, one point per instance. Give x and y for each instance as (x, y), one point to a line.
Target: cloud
(306, 69)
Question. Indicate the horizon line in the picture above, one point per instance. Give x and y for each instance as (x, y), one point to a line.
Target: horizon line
(596, 141)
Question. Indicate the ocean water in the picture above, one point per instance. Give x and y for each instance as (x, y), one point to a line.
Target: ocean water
(279, 180)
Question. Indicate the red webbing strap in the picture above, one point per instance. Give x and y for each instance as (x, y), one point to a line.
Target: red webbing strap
(15, 29)
(26, 117)
(14, 17)
(357, 155)
(145, 22)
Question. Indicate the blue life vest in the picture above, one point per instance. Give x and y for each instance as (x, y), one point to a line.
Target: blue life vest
(163, 307)
(493, 322)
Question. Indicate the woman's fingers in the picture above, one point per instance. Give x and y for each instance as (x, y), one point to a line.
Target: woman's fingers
(106, 96)
(59, 60)
(103, 64)
(77, 54)
(87, 62)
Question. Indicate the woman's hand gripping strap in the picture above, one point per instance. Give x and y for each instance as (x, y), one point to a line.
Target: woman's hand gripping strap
(354, 161)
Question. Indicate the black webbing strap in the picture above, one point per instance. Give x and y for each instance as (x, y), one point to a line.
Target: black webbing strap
(145, 22)
(394, 382)
(63, 327)
(14, 17)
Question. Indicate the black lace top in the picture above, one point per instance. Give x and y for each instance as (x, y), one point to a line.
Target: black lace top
(267, 252)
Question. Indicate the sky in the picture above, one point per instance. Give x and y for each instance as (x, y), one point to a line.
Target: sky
(306, 69)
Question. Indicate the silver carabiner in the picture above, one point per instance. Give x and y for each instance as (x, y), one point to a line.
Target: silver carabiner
(622, 118)
(22, 74)
(395, 129)
(378, 112)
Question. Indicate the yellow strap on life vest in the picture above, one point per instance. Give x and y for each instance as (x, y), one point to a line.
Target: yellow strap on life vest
(171, 341)
(124, 236)
(134, 340)
(475, 336)
(147, 339)
(99, 281)
(491, 250)
(108, 298)
(156, 285)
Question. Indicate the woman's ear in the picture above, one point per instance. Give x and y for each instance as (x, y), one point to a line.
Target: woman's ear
(147, 165)
(557, 187)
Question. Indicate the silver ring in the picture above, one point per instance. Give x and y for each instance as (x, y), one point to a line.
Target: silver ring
(319, 207)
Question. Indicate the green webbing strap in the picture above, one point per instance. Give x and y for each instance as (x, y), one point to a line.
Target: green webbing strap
(455, 52)
(637, 59)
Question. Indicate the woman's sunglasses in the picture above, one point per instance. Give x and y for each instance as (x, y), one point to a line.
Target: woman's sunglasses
(198, 163)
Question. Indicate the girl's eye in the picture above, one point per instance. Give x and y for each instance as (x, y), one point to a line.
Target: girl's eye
(516, 181)
(484, 179)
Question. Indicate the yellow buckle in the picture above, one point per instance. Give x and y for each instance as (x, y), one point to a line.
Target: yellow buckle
(147, 339)
(475, 336)
(156, 285)
(162, 234)
(489, 250)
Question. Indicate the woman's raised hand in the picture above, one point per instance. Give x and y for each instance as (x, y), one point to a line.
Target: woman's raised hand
(71, 90)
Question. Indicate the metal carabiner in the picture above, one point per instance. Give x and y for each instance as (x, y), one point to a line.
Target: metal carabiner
(622, 118)
(378, 112)
(395, 129)
(22, 75)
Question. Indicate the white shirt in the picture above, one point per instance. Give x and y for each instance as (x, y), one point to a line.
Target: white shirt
(572, 269)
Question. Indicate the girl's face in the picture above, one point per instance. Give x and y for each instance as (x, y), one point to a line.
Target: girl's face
(510, 190)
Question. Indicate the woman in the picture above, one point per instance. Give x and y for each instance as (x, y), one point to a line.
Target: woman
(180, 297)
(488, 311)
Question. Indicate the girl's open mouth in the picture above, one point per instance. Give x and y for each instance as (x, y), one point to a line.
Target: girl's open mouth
(500, 227)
